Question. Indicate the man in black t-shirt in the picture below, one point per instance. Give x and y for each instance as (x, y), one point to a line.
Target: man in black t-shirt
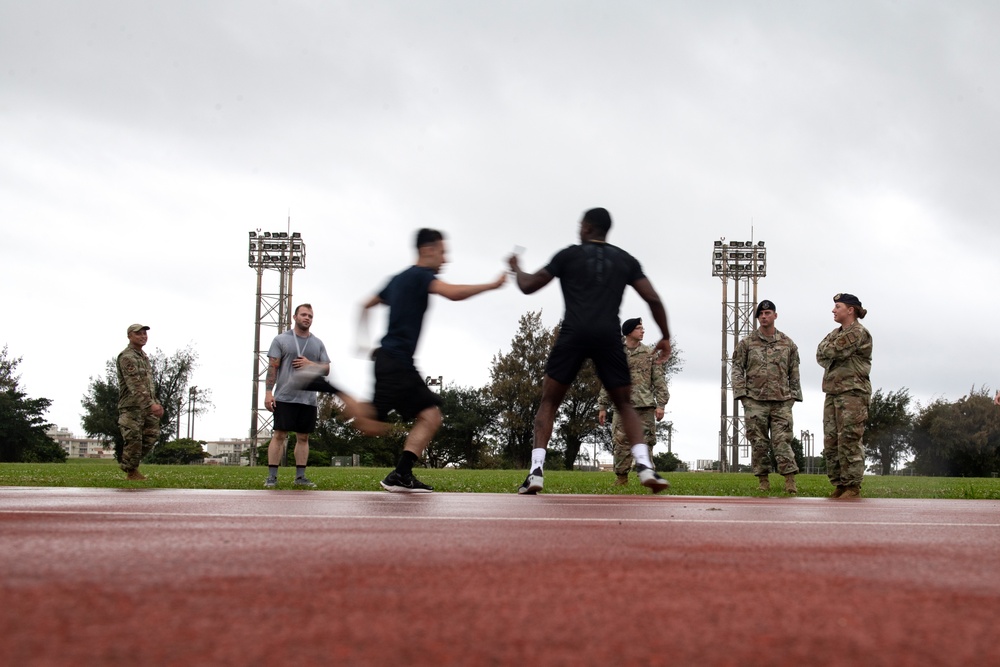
(593, 276)
(398, 385)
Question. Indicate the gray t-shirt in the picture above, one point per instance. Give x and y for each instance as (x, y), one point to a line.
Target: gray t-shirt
(287, 346)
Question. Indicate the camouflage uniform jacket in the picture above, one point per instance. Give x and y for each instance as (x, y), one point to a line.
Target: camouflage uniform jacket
(846, 354)
(135, 381)
(766, 368)
(649, 381)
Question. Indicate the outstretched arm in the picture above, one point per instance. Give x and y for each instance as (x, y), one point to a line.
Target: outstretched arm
(529, 282)
(645, 290)
(361, 338)
(460, 292)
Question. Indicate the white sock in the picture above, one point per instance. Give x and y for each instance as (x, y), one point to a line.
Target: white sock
(537, 459)
(640, 453)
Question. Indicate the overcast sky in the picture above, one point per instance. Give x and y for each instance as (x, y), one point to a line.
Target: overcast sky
(141, 141)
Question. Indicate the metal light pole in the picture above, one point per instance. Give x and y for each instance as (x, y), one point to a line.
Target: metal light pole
(192, 399)
(283, 253)
(808, 449)
(743, 263)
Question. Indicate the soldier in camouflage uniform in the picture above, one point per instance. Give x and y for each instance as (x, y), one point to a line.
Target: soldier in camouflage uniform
(138, 410)
(649, 397)
(765, 378)
(846, 357)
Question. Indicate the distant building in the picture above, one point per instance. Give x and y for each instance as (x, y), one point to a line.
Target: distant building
(80, 447)
(230, 450)
(704, 464)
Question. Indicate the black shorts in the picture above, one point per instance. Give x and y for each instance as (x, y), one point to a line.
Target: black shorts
(297, 417)
(571, 350)
(399, 387)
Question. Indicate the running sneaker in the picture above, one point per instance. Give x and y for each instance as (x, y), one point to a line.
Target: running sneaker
(533, 483)
(397, 483)
(304, 482)
(270, 482)
(651, 479)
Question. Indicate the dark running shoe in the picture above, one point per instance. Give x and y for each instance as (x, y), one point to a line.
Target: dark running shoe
(533, 483)
(270, 482)
(397, 483)
(304, 483)
(651, 479)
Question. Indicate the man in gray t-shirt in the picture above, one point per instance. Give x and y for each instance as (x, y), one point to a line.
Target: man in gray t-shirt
(291, 352)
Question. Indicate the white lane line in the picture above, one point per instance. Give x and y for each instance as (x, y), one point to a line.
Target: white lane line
(393, 517)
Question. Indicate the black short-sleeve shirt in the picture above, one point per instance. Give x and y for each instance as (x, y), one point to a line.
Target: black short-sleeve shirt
(593, 277)
(406, 295)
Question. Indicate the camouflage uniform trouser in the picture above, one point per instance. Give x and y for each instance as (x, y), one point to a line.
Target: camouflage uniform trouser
(844, 417)
(622, 447)
(769, 428)
(140, 430)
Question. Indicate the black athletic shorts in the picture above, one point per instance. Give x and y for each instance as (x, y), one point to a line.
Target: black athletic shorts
(399, 387)
(572, 349)
(297, 417)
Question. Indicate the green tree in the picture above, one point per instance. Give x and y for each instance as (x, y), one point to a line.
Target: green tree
(577, 418)
(178, 452)
(464, 438)
(668, 462)
(22, 424)
(889, 429)
(171, 379)
(959, 439)
(516, 387)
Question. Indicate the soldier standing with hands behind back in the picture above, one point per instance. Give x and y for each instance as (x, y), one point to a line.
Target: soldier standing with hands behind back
(649, 397)
(138, 410)
(765, 378)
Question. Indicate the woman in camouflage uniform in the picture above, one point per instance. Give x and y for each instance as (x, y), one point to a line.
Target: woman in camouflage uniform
(846, 357)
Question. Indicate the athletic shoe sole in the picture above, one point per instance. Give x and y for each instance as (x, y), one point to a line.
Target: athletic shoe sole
(403, 489)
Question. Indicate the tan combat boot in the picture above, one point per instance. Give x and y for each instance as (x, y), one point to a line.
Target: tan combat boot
(851, 492)
(621, 480)
(838, 492)
(790, 484)
(765, 483)
(135, 476)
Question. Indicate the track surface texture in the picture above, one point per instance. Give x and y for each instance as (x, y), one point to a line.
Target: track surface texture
(178, 577)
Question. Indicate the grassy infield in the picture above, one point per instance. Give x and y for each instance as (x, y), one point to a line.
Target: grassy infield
(105, 474)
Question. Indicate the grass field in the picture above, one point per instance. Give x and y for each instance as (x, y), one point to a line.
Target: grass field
(105, 474)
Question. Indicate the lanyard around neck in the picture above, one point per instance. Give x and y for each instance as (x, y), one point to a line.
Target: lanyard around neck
(298, 349)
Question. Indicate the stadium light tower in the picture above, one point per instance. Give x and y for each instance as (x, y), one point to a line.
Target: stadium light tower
(283, 253)
(741, 263)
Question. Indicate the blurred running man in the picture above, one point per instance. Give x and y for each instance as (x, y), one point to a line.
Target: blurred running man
(593, 276)
(398, 385)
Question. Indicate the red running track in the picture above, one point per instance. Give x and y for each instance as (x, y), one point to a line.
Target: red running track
(169, 577)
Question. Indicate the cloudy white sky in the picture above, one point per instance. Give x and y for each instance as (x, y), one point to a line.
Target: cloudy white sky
(142, 141)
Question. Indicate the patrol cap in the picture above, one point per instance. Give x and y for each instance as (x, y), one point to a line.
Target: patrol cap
(628, 326)
(764, 305)
(847, 299)
(136, 328)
